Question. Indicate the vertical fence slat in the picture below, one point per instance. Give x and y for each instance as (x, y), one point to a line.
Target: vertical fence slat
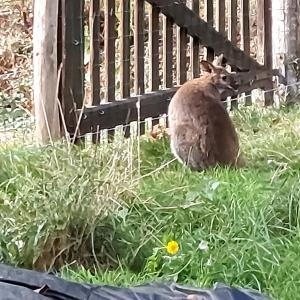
(209, 18)
(220, 18)
(268, 48)
(232, 32)
(125, 49)
(154, 47)
(139, 84)
(72, 76)
(94, 52)
(245, 38)
(195, 45)
(125, 55)
(181, 53)
(167, 52)
(94, 66)
(154, 51)
(245, 27)
(260, 31)
(264, 34)
(110, 54)
(232, 21)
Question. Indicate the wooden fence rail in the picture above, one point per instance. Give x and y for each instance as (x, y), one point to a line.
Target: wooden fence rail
(114, 51)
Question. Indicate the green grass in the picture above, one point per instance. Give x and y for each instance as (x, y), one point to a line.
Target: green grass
(89, 207)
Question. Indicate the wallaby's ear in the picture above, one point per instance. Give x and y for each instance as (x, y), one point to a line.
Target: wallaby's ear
(206, 66)
(218, 61)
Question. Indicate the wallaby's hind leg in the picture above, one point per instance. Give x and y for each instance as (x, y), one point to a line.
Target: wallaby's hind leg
(185, 146)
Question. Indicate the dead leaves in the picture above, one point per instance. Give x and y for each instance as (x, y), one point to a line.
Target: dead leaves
(16, 20)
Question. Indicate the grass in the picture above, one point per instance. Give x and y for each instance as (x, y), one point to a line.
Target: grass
(88, 209)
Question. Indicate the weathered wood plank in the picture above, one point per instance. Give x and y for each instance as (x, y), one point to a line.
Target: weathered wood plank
(72, 75)
(232, 22)
(208, 37)
(264, 35)
(125, 49)
(181, 53)
(167, 52)
(209, 12)
(139, 53)
(245, 26)
(45, 70)
(139, 85)
(125, 55)
(94, 52)
(245, 36)
(154, 52)
(110, 52)
(220, 18)
(195, 44)
(209, 18)
(268, 61)
(117, 113)
(121, 112)
(154, 47)
(264, 32)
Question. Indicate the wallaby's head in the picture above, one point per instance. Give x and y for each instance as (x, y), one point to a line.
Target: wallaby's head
(219, 76)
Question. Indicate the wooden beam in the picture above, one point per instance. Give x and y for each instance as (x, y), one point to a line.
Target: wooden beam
(123, 112)
(154, 104)
(45, 70)
(207, 35)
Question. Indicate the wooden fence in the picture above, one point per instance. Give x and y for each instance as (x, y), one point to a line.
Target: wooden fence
(112, 51)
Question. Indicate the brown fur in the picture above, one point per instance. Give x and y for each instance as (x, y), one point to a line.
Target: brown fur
(202, 133)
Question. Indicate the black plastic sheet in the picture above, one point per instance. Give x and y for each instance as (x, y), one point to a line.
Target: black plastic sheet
(19, 284)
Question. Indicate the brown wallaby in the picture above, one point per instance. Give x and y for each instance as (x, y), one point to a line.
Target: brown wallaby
(201, 131)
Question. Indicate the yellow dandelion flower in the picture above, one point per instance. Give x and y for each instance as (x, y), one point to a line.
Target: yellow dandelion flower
(172, 247)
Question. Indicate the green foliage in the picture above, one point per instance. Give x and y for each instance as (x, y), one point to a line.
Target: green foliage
(55, 201)
(88, 206)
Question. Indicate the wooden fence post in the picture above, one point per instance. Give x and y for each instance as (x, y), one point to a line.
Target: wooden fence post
(45, 70)
(72, 75)
(265, 48)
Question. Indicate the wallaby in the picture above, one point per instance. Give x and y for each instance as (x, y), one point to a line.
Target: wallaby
(201, 131)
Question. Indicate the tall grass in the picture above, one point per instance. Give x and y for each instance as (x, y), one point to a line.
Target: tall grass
(55, 201)
(90, 210)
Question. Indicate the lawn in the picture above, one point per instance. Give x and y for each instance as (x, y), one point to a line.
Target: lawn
(96, 216)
